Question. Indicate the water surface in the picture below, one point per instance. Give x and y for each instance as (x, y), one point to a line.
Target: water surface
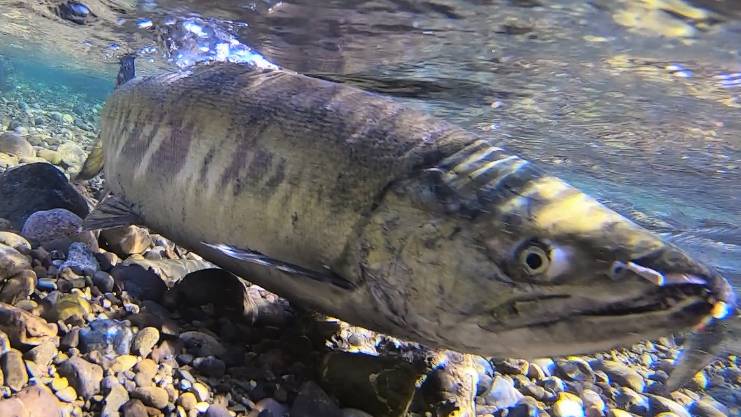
(638, 102)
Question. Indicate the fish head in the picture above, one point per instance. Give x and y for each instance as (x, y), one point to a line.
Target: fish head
(538, 268)
(585, 278)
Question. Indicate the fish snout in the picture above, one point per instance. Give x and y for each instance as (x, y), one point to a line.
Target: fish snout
(682, 277)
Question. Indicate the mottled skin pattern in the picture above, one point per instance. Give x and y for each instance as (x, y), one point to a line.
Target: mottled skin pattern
(427, 220)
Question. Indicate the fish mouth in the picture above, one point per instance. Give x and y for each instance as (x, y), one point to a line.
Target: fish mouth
(679, 298)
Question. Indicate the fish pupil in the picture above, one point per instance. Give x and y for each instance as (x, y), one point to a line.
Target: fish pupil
(534, 261)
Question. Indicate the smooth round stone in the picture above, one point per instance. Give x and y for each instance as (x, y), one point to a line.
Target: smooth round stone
(568, 405)
(67, 394)
(59, 383)
(201, 391)
(188, 401)
(202, 406)
(145, 340)
(152, 396)
(123, 363)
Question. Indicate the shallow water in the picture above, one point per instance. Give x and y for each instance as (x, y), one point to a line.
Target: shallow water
(638, 102)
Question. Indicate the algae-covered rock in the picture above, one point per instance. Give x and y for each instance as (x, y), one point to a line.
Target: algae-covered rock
(382, 386)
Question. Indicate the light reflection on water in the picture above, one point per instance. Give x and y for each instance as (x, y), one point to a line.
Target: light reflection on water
(638, 102)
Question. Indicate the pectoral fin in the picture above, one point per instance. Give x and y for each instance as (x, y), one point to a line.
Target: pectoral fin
(254, 257)
(111, 212)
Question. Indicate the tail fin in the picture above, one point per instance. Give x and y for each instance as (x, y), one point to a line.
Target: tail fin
(93, 164)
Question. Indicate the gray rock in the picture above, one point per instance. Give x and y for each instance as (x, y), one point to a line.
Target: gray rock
(512, 366)
(81, 260)
(72, 155)
(503, 394)
(18, 287)
(37, 187)
(4, 343)
(14, 144)
(43, 354)
(210, 366)
(12, 262)
(708, 407)
(38, 401)
(134, 408)
(84, 376)
(15, 241)
(629, 400)
(660, 404)
(312, 401)
(383, 386)
(575, 370)
(145, 340)
(152, 396)
(202, 344)
(109, 337)
(14, 370)
(217, 411)
(622, 374)
(55, 229)
(553, 384)
(23, 328)
(104, 281)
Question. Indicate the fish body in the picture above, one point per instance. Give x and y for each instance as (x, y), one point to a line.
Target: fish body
(357, 206)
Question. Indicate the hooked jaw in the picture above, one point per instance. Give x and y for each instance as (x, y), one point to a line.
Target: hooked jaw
(652, 302)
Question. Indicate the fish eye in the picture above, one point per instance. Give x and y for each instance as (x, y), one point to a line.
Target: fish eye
(534, 259)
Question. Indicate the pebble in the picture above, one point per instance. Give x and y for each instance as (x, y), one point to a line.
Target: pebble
(200, 391)
(202, 344)
(36, 401)
(59, 383)
(67, 394)
(188, 401)
(123, 363)
(54, 229)
(210, 366)
(145, 340)
(51, 156)
(84, 376)
(622, 374)
(152, 396)
(18, 287)
(72, 155)
(107, 336)
(14, 144)
(503, 393)
(38, 187)
(661, 404)
(217, 411)
(81, 260)
(14, 370)
(568, 405)
(15, 241)
(117, 397)
(312, 401)
(67, 306)
(134, 408)
(104, 281)
(12, 262)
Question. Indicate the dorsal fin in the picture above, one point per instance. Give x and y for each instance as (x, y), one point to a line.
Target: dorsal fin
(126, 69)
